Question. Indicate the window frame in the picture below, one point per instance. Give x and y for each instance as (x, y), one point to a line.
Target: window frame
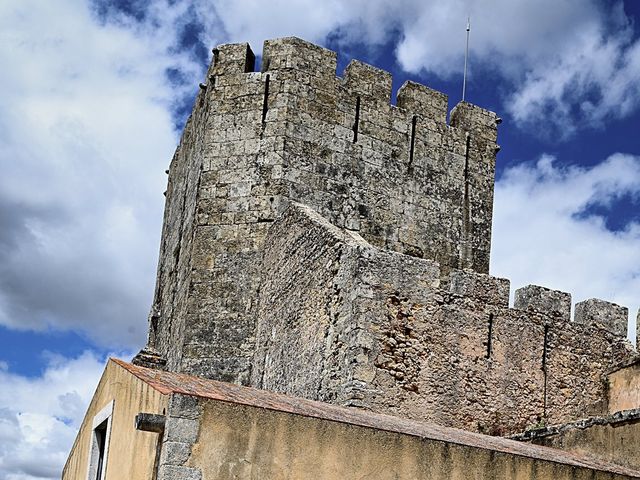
(104, 415)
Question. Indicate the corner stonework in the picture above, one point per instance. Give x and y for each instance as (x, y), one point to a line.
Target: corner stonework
(181, 433)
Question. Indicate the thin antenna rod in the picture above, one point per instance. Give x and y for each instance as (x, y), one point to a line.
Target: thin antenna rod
(466, 56)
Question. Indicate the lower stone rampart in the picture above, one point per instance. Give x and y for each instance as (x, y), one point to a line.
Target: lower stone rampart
(345, 322)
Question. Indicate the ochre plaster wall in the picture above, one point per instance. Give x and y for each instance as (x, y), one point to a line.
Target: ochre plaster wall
(624, 388)
(131, 453)
(240, 442)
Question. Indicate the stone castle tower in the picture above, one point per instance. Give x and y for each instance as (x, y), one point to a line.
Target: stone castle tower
(321, 242)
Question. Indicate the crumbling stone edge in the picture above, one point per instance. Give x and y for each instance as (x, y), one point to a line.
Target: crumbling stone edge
(616, 419)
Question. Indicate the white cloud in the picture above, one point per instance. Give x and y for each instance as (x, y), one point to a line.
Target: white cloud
(593, 80)
(560, 60)
(544, 235)
(39, 417)
(86, 133)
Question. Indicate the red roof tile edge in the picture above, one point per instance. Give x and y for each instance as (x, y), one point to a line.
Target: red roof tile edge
(171, 382)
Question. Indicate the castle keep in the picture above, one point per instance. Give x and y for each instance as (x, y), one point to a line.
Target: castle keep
(401, 177)
(322, 243)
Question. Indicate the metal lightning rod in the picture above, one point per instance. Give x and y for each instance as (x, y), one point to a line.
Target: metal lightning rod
(466, 57)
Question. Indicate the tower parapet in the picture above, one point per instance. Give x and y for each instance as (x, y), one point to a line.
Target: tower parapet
(609, 315)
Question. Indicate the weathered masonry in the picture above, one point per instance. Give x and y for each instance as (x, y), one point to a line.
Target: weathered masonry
(321, 242)
(345, 322)
(400, 176)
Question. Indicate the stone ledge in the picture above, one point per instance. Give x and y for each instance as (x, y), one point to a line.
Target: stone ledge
(616, 419)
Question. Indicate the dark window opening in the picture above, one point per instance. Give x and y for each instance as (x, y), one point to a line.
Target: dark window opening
(100, 433)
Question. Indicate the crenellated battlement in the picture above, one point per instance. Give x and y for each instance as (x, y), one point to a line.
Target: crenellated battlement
(386, 334)
(554, 305)
(318, 65)
(398, 174)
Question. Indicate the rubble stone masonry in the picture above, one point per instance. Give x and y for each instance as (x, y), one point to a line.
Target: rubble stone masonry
(342, 321)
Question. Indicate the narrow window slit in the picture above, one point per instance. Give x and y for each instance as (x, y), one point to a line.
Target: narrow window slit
(357, 121)
(466, 170)
(414, 121)
(490, 335)
(466, 256)
(545, 348)
(265, 102)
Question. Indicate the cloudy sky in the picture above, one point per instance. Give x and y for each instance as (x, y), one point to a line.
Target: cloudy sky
(94, 94)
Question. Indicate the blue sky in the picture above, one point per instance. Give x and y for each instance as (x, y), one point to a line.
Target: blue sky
(94, 96)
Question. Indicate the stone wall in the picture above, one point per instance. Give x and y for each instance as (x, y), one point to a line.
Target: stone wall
(400, 176)
(345, 322)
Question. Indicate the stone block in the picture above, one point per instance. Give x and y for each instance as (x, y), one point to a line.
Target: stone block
(184, 406)
(175, 453)
(606, 314)
(424, 101)
(181, 430)
(480, 287)
(174, 472)
(550, 302)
